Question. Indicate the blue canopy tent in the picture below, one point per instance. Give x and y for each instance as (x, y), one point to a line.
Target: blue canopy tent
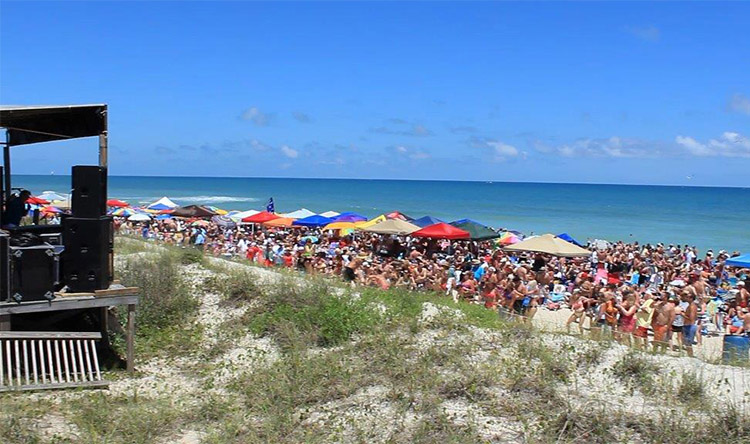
(569, 238)
(350, 214)
(466, 221)
(739, 261)
(426, 221)
(313, 221)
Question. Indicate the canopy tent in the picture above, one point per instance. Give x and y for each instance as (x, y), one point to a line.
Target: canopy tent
(426, 221)
(569, 238)
(329, 214)
(164, 203)
(117, 203)
(280, 222)
(398, 215)
(263, 216)
(739, 261)
(337, 225)
(237, 217)
(139, 217)
(549, 244)
(477, 231)
(458, 222)
(317, 220)
(299, 214)
(442, 231)
(368, 223)
(393, 226)
(122, 212)
(193, 211)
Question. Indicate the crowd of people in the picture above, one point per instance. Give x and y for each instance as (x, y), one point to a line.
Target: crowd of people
(660, 296)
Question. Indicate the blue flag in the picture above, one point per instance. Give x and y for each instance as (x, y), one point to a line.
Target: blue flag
(269, 205)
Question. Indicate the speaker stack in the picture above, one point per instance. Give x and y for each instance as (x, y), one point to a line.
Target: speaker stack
(88, 235)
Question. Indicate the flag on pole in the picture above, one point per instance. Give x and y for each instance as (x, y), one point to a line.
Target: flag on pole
(269, 205)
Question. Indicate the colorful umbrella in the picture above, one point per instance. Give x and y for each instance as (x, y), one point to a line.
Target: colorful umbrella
(37, 201)
(117, 203)
(368, 223)
(340, 226)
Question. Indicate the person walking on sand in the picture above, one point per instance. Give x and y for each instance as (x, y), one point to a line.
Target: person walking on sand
(643, 318)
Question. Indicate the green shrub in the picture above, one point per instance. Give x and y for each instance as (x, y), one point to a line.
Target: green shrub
(637, 372)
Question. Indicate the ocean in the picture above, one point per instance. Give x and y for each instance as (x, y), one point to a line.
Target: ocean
(717, 218)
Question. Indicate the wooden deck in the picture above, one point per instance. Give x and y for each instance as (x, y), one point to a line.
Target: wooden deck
(102, 299)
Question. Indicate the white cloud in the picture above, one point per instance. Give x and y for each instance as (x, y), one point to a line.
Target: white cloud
(289, 152)
(256, 116)
(401, 149)
(740, 103)
(609, 147)
(503, 150)
(647, 33)
(729, 144)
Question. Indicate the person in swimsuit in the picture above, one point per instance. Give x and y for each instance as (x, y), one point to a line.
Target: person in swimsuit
(661, 322)
(689, 325)
(626, 324)
(576, 304)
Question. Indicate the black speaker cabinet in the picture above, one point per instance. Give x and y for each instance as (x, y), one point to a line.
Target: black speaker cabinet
(89, 191)
(88, 255)
(34, 273)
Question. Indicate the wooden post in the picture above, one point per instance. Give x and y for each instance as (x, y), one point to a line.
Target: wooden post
(104, 324)
(130, 337)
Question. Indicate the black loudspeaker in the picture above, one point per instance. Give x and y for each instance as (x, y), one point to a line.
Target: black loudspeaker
(89, 191)
(88, 255)
(34, 273)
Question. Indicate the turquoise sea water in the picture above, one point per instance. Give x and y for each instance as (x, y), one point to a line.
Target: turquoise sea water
(717, 218)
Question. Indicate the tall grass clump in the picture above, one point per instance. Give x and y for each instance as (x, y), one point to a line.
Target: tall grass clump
(636, 371)
(309, 314)
(167, 307)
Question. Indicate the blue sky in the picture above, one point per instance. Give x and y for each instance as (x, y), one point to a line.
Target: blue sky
(604, 92)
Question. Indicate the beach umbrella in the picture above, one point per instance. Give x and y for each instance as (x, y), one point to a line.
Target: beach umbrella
(117, 203)
(393, 226)
(52, 196)
(569, 238)
(312, 239)
(163, 216)
(398, 215)
(299, 214)
(739, 261)
(259, 218)
(32, 200)
(139, 217)
(223, 221)
(217, 210)
(63, 204)
(193, 211)
(280, 222)
(549, 244)
(508, 238)
(368, 223)
(329, 214)
(441, 230)
(350, 218)
(164, 203)
(476, 231)
(49, 209)
(201, 223)
(426, 221)
(122, 212)
(337, 225)
(316, 220)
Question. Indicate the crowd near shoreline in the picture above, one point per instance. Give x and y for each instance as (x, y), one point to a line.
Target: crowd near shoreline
(656, 297)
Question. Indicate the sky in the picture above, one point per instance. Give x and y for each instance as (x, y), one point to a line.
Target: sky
(590, 92)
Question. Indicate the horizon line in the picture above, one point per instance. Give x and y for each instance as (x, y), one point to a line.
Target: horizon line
(406, 179)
